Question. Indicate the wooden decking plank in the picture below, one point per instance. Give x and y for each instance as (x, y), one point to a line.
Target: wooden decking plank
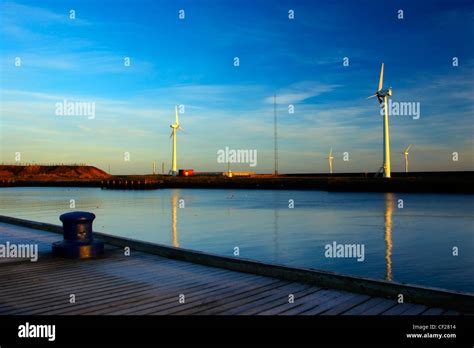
(280, 292)
(111, 288)
(61, 308)
(44, 285)
(53, 276)
(231, 301)
(116, 296)
(126, 302)
(329, 304)
(449, 312)
(281, 303)
(107, 282)
(172, 305)
(205, 299)
(203, 284)
(21, 271)
(398, 309)
(235, 302)
(357, 310)
(169, 295)
(416, 309)
(59, 297)
(314, 300)
(301, 298)
(346, 305)
(380, 307)
(156, 310)
(119, 270)
(433, 311)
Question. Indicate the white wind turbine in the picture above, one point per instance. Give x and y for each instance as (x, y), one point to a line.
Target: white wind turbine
(330, 158)
(175, 126)
(382, 96)
(405, 154)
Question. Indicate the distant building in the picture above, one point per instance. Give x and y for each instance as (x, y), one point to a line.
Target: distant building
(186, 172)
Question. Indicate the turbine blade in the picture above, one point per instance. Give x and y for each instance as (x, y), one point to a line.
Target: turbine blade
(381, 78)
(330, 152)
(181, 129)
(171, 134)
(408, 148)
(176, 109)
(372, 96)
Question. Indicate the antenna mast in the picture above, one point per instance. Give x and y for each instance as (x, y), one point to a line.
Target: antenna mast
(275, 135)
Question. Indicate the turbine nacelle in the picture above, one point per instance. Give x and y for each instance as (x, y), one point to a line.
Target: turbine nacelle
(330, 157)
(385, 93)
(381, 93)
(407, 150)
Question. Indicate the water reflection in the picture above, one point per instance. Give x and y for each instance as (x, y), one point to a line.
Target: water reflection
(278, 234)
(389, 200)
(276, 227)
(174, 232)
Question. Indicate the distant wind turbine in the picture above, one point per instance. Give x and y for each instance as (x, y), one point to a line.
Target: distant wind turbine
(175, 126)
(405, 154)
(330, 158)
(382, 96)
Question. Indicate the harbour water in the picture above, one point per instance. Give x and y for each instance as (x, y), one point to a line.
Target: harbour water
(423, 239)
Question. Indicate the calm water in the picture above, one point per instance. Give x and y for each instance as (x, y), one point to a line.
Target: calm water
(412, 245)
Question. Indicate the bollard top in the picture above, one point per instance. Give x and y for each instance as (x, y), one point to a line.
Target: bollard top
(77, 216)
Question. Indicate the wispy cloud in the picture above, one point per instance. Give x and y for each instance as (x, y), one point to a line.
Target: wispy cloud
(301, 91)
(15, 12)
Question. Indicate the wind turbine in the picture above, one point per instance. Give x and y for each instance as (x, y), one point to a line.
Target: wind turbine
(405, 153)
(175, 126)
(382, 96)
(330, 158)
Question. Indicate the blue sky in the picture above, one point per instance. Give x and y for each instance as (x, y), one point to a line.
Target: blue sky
(190, 62)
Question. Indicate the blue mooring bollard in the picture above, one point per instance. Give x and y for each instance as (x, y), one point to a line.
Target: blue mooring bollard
(78, 242)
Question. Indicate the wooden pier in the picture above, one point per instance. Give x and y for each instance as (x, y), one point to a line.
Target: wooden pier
(125, 184)
(147, 282)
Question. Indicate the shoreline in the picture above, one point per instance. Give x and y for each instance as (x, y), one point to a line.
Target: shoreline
(441, 182)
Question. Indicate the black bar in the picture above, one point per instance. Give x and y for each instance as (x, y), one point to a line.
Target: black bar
(241, 330)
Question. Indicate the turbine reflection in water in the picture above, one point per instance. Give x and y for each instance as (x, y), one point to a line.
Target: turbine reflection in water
(389, 199)
(174, 232)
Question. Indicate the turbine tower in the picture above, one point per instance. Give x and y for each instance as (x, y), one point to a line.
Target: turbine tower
(405, 154)
(330, 158)
(382, 96)
(175, 126)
